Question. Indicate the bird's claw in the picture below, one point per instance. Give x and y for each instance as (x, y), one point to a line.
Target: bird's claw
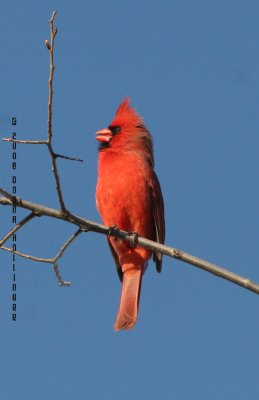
(112, 228)
(133, 239)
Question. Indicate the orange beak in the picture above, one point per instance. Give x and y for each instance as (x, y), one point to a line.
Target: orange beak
(104, 135)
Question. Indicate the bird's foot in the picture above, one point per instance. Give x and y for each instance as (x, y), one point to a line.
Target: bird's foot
(111, 230)
(133, 239)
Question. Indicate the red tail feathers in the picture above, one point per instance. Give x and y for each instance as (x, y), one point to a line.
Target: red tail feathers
(128, 310)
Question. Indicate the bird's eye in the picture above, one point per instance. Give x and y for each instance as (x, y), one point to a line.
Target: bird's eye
(115, 129)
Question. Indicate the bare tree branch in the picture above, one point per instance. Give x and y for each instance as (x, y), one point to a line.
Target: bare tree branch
(56, 155)
(40, 259)
(181, 255)
(17, 227)
(25, 221)
(68, 158)
(50, 47)
(48, 141)
(65, 246)
(6, 194)
(59, 278)
(28, 256)
(25, 141)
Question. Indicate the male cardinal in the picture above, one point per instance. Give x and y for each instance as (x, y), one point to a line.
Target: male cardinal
(128, 195)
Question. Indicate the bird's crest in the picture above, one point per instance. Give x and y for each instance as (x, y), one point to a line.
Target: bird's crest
(126, 116)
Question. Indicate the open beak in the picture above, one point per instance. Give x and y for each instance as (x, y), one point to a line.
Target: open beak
(104, 135)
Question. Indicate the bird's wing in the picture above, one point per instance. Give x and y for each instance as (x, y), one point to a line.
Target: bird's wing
(158, 217)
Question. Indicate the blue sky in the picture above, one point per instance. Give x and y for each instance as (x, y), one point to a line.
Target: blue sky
(191, 70)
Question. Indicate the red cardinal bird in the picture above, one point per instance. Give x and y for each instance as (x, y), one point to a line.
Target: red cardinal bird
(128, 195)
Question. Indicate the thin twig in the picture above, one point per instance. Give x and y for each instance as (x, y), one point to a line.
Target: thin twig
(56, 155)
(59, 277)
(65, 246)
(181, 255)
(25, 141)
(28, 256)
(17, 227)
(68, 158)
(50, 47)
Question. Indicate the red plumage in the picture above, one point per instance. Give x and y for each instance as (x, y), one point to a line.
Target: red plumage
(128, 195)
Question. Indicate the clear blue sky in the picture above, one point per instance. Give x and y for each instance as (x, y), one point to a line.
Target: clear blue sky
(191, 70)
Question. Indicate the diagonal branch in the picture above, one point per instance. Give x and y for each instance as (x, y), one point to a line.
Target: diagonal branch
(6, 194)
(180, 255)
(17, 227)
(65, 246)
(68, 158)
